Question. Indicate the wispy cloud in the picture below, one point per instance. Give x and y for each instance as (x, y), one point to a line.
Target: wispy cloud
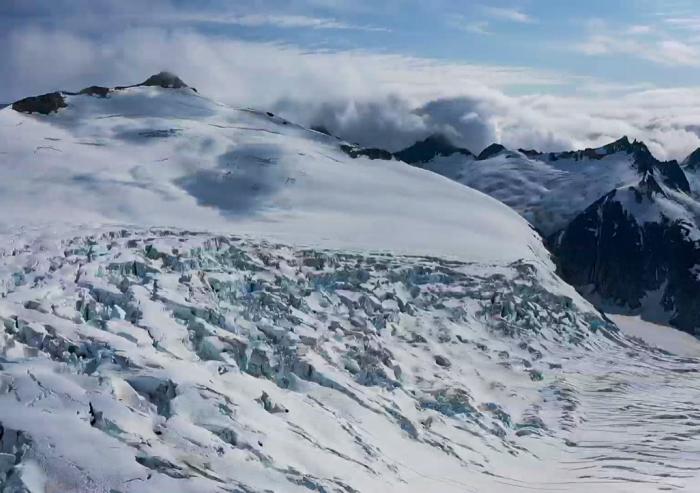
(639, 41)
(639, 29)
(508, 14)
(460, 22)
(280, 21)
(691, 23)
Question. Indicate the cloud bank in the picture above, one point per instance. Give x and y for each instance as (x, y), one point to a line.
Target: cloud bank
(378, 99)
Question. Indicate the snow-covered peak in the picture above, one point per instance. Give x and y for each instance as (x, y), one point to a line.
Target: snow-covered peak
(550, 189)
(146, 155)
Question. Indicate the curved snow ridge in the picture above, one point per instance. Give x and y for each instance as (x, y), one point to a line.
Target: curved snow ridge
(196, 362)
(149, 156)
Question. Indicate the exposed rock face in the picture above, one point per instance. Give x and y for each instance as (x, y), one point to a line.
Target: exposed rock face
(322, 130)
(44, 104)
(430, 148)
(692, 162)
(95, 91)
(371, 153)
(52, 102)
(616, 256)
(490, 151)
(670, 172)
(419, 153)
(165, 80)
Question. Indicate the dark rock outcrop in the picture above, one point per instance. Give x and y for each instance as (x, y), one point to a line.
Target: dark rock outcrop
(54, 101)
(371, 152)
(670, 172)
(166, 80)
(692, 162)
(430, 148)
(491, 151)
(530, 152)
(95, 91)
(322, 130)
(44, 104)
(611, 255)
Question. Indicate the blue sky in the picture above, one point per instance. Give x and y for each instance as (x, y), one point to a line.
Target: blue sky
(627, 42)
(550, 74)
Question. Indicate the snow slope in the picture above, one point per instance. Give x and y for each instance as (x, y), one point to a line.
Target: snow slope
(660, 336)
(197, 298)
(170, 157)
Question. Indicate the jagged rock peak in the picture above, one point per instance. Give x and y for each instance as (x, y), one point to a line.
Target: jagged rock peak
(692, 162)
(491, 151)
(166, 80)
(429, 148)
(649, 186)
(625, 145)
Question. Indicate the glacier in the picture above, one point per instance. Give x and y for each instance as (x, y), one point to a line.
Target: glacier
(198, 298)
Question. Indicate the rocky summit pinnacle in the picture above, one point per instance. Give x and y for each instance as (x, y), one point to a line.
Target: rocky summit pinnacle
(165, 80)
(491, 151)
(692, 162)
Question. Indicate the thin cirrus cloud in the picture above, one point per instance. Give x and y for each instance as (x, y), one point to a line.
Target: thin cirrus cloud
(644, 42)
(280, 21)
(462, 23)
(508, 14)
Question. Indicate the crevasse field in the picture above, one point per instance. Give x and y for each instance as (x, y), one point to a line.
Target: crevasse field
(197, 298)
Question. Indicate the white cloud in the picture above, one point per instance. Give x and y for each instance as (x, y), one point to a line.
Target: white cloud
(462, 23)
(379, 97)
(639, 42)
(640, 29)
(513, 15)
(272, 20)
(691, 23)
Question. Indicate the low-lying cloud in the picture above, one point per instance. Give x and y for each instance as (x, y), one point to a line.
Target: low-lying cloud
(375, 99)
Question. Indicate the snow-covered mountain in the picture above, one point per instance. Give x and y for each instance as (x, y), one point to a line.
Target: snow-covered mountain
(147, 156)
(198, 298)
(622, 225)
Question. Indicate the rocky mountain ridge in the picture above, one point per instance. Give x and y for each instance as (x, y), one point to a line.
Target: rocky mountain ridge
(638, 255)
